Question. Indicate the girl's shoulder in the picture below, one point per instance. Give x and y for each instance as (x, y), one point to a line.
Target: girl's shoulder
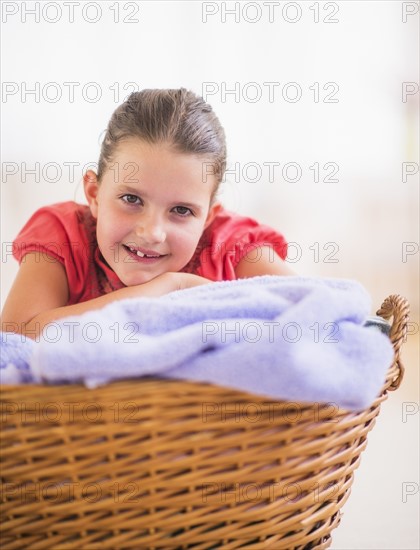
(227, 240)
(66, 210)
(66, 232)
(67, 216)
(231, 228)
(54, 228)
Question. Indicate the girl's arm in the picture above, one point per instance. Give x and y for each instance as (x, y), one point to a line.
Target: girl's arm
(40, 293)
(262, 261)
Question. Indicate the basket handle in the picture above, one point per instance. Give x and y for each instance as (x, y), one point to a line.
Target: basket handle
(398, 308)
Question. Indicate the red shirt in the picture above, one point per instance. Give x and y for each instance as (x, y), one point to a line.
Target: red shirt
(67, 232)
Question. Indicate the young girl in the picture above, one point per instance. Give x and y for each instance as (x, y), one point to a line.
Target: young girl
(152, 225)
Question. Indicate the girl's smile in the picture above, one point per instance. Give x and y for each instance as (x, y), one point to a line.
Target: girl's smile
(142, 256)
(141, 253)
(151, 207)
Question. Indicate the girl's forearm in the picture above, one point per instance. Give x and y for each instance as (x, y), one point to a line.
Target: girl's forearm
(163, 284)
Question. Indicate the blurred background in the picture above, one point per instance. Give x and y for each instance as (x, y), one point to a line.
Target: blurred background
(320, 104)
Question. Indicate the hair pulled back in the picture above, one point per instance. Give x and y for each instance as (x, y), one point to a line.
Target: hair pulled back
(176, 117)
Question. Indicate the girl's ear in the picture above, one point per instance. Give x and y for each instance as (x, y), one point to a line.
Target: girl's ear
(91, 186)
(214, 210)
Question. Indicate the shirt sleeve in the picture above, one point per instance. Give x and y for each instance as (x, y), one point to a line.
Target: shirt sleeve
(230, 238)
(54, 232)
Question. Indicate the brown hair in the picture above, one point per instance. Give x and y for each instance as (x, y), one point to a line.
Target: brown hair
(177, 117)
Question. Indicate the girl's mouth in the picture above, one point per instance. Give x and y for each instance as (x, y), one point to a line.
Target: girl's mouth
(142, 257)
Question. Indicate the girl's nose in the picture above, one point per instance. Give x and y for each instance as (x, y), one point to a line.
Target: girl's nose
(151, 231)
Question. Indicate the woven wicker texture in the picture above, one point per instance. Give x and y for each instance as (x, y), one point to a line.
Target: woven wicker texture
(164, 464)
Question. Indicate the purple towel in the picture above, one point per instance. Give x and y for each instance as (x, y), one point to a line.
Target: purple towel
(292, 338)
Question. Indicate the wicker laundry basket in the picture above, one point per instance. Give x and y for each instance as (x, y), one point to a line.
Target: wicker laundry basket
(156, 463)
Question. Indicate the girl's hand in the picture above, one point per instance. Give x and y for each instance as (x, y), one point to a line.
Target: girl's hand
(187, 280)
(165, 283)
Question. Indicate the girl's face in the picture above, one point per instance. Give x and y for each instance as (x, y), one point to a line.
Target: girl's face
(151, 206)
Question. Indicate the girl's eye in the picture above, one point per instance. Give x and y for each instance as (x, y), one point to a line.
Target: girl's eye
(183, 211)
(130, 199)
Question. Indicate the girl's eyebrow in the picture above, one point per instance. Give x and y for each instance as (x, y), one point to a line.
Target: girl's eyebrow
(128, 189)
(134, 191)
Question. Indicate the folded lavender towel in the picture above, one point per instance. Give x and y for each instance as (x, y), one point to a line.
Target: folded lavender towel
(291, 338)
